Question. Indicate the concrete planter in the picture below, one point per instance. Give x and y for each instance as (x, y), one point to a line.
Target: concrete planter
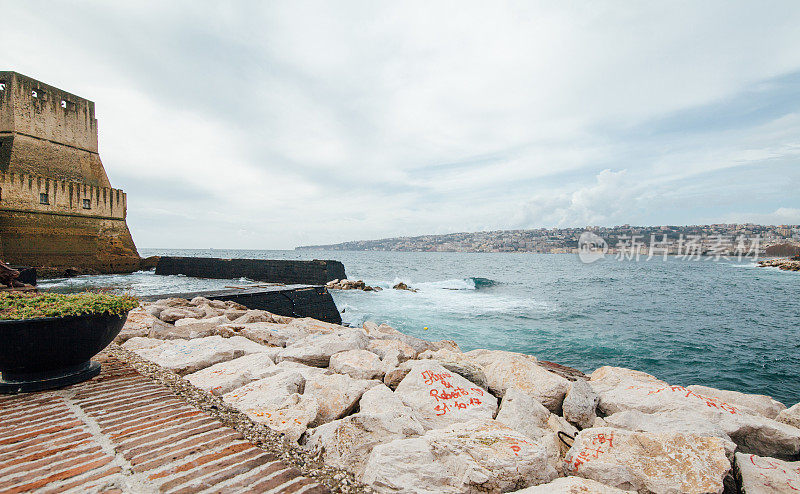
(51, 352)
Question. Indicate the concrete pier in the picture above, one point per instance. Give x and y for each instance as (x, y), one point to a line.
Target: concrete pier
(285, 300)
(316, 272)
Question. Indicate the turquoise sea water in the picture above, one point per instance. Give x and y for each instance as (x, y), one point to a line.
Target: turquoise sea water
(723, 324)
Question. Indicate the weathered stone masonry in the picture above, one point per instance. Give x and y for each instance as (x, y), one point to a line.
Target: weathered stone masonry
(57, 206)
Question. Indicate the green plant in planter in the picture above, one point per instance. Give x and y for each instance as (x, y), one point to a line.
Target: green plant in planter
(16, 305)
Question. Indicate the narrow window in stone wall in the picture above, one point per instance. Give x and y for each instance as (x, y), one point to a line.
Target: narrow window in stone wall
(2, 85)
(87, 204)
(44, 198)
(34, 94)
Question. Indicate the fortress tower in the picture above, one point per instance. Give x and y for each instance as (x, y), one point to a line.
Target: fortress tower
(57, 207)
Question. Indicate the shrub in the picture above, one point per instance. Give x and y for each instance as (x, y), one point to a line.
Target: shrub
(17, 305)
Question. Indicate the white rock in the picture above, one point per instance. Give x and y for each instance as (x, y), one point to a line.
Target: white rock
(764, 475)
(648, 462)
(252, 316)
(314, 326)
(624, 389)
(572, 485)
(276, 402)
(469, 457)
(506, 369)
(317, 349)
(790, 416)
(673, 422)
(172, 314)
(381, 347)
(265, 333)
(440, 398)
(580, 404)
(138, 323)
(188, 331)
(200, 301)
(336, 394)
(142, 343)
(224, 377)
(519, 411)
(460, 364)
(755, 404)
(526, 415)
(358, 364)
(347, 443)
(186, 356)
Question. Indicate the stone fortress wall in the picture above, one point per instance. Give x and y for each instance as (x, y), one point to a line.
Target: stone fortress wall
(57, 207)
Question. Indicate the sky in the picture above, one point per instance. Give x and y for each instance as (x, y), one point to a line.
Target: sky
(268, 125)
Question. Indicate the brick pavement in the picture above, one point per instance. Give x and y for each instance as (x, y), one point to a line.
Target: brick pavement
(122, 432)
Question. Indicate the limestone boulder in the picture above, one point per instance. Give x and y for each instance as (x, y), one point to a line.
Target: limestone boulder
(265, 333)
(198, 329)
(382, 347)
(234, 314)
(672, 422)
(381, 331)
(276, 402)
(460, 364)
(227, 376)
(467, 457)
(790, 416)
(252, 316)
(187, 356)
(439, 397)
(507, 369)
(201, 301)
(394, 377)
(623, 389)
(751, 403)
(172, 314)
(526, 415)
(313, 326)
(215, 320)
(138, 323)
(521, 412)
(347, 443)
(572, 485)
(142, 343)
(649, 462)
(580, 404)
(764, 475)
(317, 349)
(358, 364)
(337, 395)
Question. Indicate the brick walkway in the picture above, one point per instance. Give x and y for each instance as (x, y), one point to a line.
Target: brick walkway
(121, 432)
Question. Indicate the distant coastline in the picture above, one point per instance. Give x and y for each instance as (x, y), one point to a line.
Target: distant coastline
(716, 239)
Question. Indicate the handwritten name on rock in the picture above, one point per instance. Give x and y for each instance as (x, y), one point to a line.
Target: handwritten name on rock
(450, 397)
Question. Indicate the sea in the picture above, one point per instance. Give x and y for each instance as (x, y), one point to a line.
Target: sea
(722, 322)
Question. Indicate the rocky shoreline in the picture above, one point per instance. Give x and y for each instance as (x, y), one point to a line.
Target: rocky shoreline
(785, 264)
(402, 414)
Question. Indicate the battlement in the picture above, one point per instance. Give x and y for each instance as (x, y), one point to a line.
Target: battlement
(45, 130)
(35, 193)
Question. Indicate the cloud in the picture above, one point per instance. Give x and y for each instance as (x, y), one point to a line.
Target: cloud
(268, 125)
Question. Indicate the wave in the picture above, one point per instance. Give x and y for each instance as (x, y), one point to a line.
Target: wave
(472, 283)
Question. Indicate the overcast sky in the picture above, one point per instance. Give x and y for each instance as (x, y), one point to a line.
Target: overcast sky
(277, 124)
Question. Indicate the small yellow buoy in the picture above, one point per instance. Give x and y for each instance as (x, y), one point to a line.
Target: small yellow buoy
(425, 328)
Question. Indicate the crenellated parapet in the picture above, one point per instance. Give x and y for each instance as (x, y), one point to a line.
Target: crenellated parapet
(36, 193)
